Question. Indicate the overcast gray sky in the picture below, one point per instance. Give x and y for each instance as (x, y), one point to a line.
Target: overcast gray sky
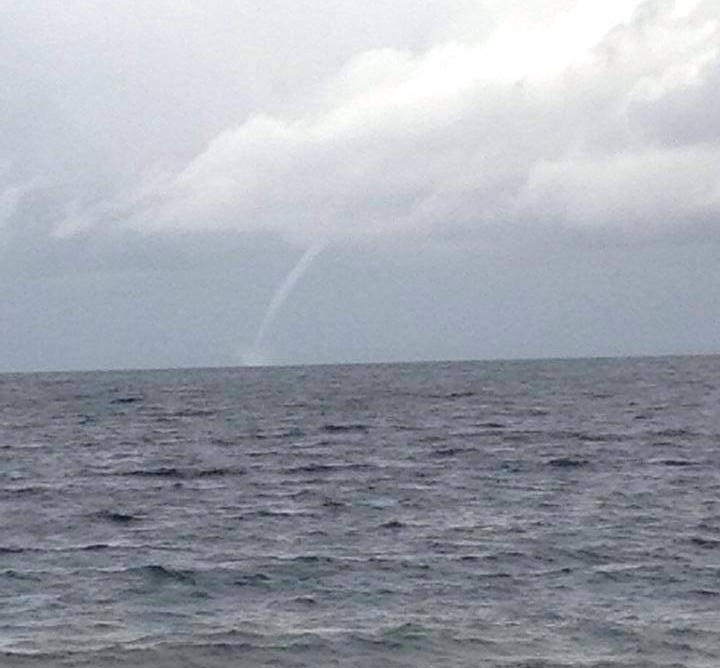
(463, 178)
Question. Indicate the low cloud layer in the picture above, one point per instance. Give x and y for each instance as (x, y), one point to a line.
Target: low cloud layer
(573, 122)
(520, 133)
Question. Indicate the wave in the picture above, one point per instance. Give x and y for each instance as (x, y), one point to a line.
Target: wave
(187, 473)
(160, 573)
(126, 400)
(327, 468)
(675, 433)
(29, 490)
(340, 428)
(705, 543)
(711, 593)
(116, 517)
(94, 547)
(11, 549)
(329, 502)
(450, 395)
(568, 462)
(13, 574)
(675, 462)
(192, 412)
(252, 580)
(450, 452)
(269, 512)
(161, 472)
(209, 650)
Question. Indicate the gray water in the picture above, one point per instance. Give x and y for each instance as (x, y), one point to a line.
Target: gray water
(536, 514)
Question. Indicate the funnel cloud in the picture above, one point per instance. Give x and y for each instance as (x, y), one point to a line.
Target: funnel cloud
(283, 292)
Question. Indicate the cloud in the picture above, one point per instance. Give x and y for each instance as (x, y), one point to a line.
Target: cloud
(549, 118)
(451, 140)
(637, 192)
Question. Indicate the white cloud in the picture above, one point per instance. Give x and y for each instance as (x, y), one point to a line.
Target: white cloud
(209, 117)
(639, 193)
(486, 137)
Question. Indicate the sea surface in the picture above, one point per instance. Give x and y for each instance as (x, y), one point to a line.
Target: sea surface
(525, 514)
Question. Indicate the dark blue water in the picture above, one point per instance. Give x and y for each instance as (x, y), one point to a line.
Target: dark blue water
(536, 514)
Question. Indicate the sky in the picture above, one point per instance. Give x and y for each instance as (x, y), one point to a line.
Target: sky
(224, 182)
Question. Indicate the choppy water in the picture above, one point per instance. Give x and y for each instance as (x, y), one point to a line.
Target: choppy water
(535, 514)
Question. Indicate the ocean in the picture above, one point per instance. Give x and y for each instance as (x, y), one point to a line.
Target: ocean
(534, 514)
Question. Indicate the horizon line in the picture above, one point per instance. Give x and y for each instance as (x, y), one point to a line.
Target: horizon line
(297, 365)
